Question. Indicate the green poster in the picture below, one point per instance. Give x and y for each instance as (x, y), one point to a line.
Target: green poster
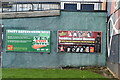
(27, 41)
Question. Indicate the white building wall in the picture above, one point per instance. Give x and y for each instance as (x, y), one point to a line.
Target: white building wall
(96, 5)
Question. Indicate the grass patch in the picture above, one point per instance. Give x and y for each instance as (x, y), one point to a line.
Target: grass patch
(49, 73)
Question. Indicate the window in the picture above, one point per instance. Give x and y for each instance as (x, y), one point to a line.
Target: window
(87, 7)
(117, 3)
(6, 5)
(70, 7)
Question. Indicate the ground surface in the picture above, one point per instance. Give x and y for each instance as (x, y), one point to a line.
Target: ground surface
(62, 74)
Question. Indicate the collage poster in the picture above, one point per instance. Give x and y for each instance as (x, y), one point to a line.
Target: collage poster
(79, 41)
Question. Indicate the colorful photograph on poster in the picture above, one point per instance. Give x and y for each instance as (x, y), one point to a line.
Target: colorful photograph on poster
(27, 41)
(79, 41)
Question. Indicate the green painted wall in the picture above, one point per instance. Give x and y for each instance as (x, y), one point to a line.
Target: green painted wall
(82, 21)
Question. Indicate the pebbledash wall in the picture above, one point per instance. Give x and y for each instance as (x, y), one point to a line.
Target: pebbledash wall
(79, 21)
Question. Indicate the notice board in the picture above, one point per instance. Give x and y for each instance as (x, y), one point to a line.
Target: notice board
(27, 41)
(79, 41)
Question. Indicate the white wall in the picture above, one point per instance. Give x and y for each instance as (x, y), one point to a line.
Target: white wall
(96, 5)
(81, 0)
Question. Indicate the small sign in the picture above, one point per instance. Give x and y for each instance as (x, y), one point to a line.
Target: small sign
(0, 39)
